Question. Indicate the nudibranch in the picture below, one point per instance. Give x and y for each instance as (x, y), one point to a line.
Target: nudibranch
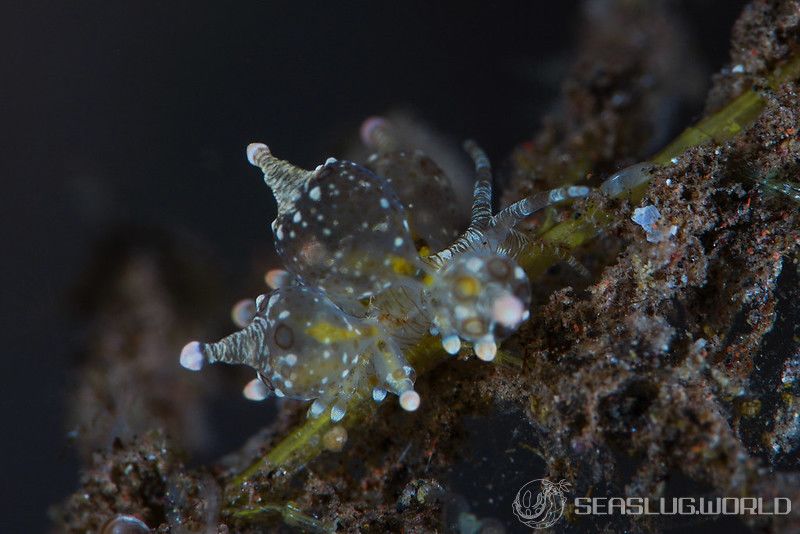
(373, 261)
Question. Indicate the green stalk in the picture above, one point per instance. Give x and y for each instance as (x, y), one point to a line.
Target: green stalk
(289, 513)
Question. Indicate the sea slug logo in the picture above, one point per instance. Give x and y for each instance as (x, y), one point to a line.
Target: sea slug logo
(540, 503)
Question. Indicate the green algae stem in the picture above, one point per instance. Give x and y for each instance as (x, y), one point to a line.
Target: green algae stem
(305, 443)
(730, 120)
(717, 128)
(291, 515)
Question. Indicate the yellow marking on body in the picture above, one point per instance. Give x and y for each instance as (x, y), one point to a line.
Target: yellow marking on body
(467, 286)
(402, 266)
(325, 332)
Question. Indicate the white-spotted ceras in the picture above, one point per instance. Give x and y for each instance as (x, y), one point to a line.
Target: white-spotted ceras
(356, 292)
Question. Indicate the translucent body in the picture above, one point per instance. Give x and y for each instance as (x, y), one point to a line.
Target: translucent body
(627, 179)
(356, 293)
(346, 232)
(425, 191)
(311, 344)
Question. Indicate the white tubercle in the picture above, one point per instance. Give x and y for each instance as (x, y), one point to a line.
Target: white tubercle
(409, 400)
(252, 149)
(486, 349)
(243, 312)
(316, 409)
(369, 128)
(451, 344)
(255, 390)
(192, 357)
(508, 310)
(337, 413)
(276, 278)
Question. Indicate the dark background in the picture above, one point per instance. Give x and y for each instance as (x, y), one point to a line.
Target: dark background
(139, 112)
